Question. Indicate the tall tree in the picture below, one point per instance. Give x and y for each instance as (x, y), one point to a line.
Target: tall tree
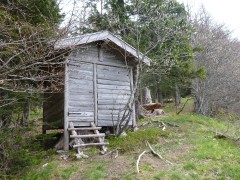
(221, 58)
(26, 28)
(159, 28)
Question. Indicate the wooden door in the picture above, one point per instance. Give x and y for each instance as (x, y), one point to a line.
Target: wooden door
(113, 92)
(81, 93)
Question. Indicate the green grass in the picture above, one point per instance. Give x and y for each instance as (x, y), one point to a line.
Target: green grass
(190, 166)
(66, 173)
(51, 171)
(210, 158)
(42, 173)
(192, 147)
(95, 173)
(136, 140)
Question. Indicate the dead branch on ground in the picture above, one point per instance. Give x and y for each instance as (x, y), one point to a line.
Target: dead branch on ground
(138, 160)
(154, 153)
(157, 154)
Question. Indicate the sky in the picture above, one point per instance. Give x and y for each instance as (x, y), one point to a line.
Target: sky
(221, 11)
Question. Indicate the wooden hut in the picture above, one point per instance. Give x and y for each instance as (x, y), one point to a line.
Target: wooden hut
(99, 75)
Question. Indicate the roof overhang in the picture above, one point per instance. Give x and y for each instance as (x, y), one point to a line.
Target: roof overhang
(101, 36)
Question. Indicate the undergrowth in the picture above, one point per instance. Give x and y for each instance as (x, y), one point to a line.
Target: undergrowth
(195, 150)
(20, 151)
(51, 171)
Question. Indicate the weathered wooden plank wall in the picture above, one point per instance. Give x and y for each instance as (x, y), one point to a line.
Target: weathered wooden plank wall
(99, 85)
(81, 94)
(113, 93)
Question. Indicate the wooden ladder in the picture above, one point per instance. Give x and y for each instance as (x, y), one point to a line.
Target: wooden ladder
(77, 136)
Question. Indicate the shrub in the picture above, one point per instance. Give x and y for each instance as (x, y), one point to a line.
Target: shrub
(17, 151)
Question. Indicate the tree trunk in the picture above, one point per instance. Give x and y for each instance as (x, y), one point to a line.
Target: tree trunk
(177, 95)
(148, 98)
(26, 112)
(160, 95)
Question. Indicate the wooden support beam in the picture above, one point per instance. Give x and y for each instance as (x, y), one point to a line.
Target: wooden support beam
(88, 135)
(134, 124)
(66, 94)
(91, 144)
(95, 92)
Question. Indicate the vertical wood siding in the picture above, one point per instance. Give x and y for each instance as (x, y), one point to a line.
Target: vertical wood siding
(96, 90)
(114, 90)
(81, 94)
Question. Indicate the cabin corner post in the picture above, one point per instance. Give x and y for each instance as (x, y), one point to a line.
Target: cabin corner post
(134, 123)
(95, 93)
(66, 133)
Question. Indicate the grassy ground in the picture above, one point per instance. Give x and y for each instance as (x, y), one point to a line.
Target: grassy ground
(193, 149)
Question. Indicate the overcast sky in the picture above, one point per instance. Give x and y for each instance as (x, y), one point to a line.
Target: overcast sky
(222, 11)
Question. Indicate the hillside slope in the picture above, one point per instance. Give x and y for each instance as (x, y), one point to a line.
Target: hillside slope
(191, 150)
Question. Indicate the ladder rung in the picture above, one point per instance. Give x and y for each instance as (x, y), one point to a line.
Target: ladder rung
(91, 144)
(84, 128)
(87, 135)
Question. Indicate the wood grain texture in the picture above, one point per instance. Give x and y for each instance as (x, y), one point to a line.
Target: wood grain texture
(112, 82)
(114, 91)
(80, 119)
(110, 123)
(81, 93)
(95, 89)
(97, 86)
(66, 93)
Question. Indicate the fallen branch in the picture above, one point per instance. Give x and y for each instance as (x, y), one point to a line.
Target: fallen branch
(164, 126)
(156, 154)
(138, 160)
(178, 112)
(116, 155)
(166, 123)
(146, 123)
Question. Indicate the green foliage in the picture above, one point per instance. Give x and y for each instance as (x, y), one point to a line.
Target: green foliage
(17, 151)
(136, 140)
(26, 27)
(34, 12)
(161, 29)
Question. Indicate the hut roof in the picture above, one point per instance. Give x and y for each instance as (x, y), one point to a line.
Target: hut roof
(101, 36)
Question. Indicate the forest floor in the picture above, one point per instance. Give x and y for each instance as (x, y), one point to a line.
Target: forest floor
(197, 148)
